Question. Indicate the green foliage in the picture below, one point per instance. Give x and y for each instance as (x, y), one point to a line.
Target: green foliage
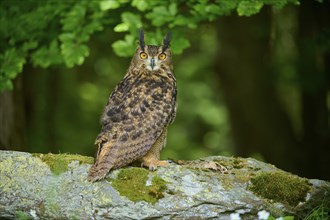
(134, 184)
(57, 32)
(280, 187)
(45, 34)
(320, 212)
(58, 163)
(290, 217)
(245, 8)
(20, 215)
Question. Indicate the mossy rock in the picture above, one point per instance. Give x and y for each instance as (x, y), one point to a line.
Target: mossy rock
(198, 189)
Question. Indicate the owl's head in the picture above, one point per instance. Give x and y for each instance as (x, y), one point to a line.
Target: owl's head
(153, 57)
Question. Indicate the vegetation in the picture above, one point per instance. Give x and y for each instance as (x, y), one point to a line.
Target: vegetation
(133, 183)
(252, 75)
(58, 163)
(320, 212)
(280, 187)
(58, 32)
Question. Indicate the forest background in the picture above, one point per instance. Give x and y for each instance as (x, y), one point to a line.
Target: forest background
(253, 75)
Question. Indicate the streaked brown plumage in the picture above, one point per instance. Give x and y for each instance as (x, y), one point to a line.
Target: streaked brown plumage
(138, 112)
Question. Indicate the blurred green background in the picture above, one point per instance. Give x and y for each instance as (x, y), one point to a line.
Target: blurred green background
(253, 76)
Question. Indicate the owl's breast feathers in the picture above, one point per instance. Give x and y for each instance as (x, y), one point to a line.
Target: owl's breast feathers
(139, 109)
(139, 96)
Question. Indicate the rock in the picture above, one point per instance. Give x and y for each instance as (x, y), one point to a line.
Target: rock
(50, 186)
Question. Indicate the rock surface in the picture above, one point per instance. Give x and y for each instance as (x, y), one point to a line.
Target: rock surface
(210, 188)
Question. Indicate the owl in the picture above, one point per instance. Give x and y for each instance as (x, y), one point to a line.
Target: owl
(138, 113)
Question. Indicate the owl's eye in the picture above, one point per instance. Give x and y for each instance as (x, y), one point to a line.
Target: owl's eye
(162, 56)
(143, 55)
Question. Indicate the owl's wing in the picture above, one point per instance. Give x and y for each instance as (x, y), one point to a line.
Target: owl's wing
(133, 120)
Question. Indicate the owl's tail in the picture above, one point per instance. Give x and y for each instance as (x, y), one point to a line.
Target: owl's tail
(105, 160)
(95, 174)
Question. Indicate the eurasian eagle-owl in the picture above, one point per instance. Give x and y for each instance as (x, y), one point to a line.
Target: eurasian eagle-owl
(138, 112)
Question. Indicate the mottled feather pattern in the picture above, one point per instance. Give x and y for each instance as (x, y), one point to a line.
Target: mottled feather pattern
(138, 111)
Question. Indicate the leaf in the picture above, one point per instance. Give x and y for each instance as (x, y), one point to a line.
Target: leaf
(44, 57)
(179, 44)
(109, 4)
(74, 18)
(159, 16)
(228, 5)
(122, 27)
(124, 48)
(248, 8)
(278, 4)
(172, 9)
(92, 27)
(142, 5)
(5, 84)
(12, 63)
(29, 45)
(131, 19)
(67, 37)
(130, 22)
(74, 53)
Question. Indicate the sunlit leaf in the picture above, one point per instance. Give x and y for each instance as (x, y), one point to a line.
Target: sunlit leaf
(109, 4)
(133, 20)
(125, 48)
(66, 37)
(247, 8)
(172, 9)
(142, 5)
(121, 27)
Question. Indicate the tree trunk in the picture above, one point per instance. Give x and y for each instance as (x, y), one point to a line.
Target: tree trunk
(314, 72)
(12, 120)
(258, 122)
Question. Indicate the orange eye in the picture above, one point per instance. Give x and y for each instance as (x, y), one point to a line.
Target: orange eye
(143, 55)
(162, 56)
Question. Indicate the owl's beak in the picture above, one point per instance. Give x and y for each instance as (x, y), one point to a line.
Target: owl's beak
(152, 63)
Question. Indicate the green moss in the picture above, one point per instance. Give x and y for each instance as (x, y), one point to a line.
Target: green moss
(280, 187)
(238, 163)
(131, 182)
(22, 215)
(58, 163)
(242, 176)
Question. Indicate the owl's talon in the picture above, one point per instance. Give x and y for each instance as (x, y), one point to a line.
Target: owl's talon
(170, 161)
(152, 168)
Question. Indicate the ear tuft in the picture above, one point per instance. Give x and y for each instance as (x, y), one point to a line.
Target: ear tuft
(166, 42)
(141, 38)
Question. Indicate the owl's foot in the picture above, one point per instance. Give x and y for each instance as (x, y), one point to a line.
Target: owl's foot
(153, 163)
